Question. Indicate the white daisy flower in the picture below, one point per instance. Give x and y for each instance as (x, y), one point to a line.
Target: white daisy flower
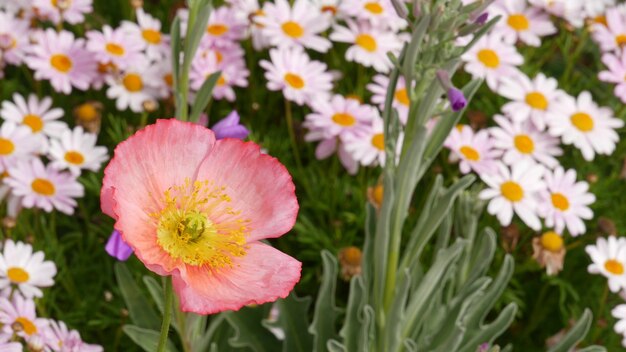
(14, 38)
(44, 187)
(368, 147)
(18, 317)
(224, 27)
(25, 270)
(535, 100)
(301, 25)
(34, 113)
(514, 190)
(619, 313)
(474, 150)
(301, 79)
(585, 125)
(76, 150)
(609, 258)
(565, 202)
(521, 22)
(148, 30)
(132, 88)
(492, 59)
(612, 35)
(338, 117)
(17, 143)
(379, 13)
(369, 44)
(522, 141)
(115, 46)
(401, 101)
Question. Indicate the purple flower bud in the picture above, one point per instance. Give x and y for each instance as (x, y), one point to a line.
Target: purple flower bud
(483, 347)
(457, 99)
(482, 19)
(117, 248)
(229, 127)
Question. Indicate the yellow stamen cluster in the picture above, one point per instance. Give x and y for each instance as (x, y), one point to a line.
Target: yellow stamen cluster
(198, 227)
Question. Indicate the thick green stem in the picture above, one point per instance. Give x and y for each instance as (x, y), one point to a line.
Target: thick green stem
(167, 315)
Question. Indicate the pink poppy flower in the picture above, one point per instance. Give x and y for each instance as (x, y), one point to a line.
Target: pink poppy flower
(196, 208)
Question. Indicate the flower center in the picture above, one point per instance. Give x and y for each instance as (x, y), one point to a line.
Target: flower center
(26, 325)
(470, 153)
(151, 36)
(582, 121)
(344, 119)
(489, 58)
(17, 275)
(620, 39)
(6, 146)
(293, 29)
(74, 157)
(537, 100)
(133, 82)
(366, 42)
(374, 7)
(518, 21)
(614, 267)
(378, 141)
(221, 81)
(34, 122)
(294, 80)
(115, 49)
(601, 19)
(61, 4)
(61, 63)
(512, 191)
(351, 255)
(560, 201)
(552, 241)
(217, 29)
(330, 8)
(43, 187)
(86, 112)
(187, 233)
(402, 97)
(524, 144)
(169, 79)
(378, 194)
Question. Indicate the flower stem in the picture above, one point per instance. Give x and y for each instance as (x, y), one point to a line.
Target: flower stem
(292, 134)
(167, 315)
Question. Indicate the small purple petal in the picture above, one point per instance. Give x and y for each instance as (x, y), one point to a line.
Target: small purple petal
(229, 127)
(457, 99)
(117, 248)
(482, 19)
(483, 347)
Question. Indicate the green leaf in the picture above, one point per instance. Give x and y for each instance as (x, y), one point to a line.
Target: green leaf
(156, 291)
(351, 330)
(325, 314)
(292, 318)
(412, 50)
(196, 32)
(176, 51)
(147, 339)
(490, 332)
(204, 96)
(593, 348)
(575, 334)
(141, 313)
(250, 331)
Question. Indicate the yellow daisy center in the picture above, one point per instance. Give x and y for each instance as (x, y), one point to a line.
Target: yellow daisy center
(86, 112)
(374, 8)
(378, 141)
(537, 100)
(26, 325)
(169, 79)
(489, 58)
(133, 82)
(61, 63)
(378, 194)
(560, 201)
(614, 267)
(512, 191)
(74, 157)
(185, 231)
(402, 97)
(294, 80)
(217, 29)
(351, 255)
(330, 8)
(34, 122)
(620, 39)
(470, 153)
(17, 275)
(43, 187)
(344, 119)
(221, 81)
(366, 42)
(524, 144)
(6, 146)
(552, 241)
(115, 49)
(151, 36)
(293, 29)
(582, 121)
(518, 21)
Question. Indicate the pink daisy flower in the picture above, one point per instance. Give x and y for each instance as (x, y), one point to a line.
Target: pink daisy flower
(492, 59)
(148, 31)
(44, 187)
(115, 46)
(368, 147)
(474, 150)
(14, 34)
(611, 37)
(401, 100)
(616, 73)
(17, 143)
(224, 27)
(38, 115)
(201, 221)
(521, 22)
(60, 339)
(63, 60)
(250, 12)
(564, 202)
(379, 13)
(300, 26)
(70, 11)
(339, 117)
(301, 79)
(21, 311)
(231, 65)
